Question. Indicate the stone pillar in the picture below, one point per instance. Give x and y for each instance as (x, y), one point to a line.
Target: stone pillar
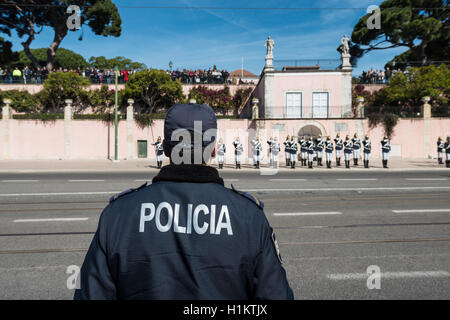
(255, 109)
(269, 95)
(6, 115)
(130, 125)
(67, 127)
(345, 58)
(426, 113)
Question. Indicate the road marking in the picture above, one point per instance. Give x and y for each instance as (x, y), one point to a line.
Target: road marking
(58, 194)
(421, 210)
(51, 220)
(307, 213)
(427, 179)
(231, 180)
(369, 179)
(141, 180)
(288, 180)
(19, 181)
(86, 180)
(391, 275)
(348, 189)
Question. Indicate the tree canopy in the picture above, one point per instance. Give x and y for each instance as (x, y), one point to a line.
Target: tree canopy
(420, 26)
(6, 53)
(29, 18)
(64, 58)
(121, 62)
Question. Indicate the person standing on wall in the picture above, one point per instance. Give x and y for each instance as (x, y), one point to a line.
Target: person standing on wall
(319, 148)
(385, 149)
(367, 149)
(447, 153)
(348, 150)
(294, 151)
(339, 146)
(356, 147)
(287, 152)
(440, 149)
(159, 151)
(304, 150)
(329, 151)
(238, 149)
(311, 148)
(221, 150)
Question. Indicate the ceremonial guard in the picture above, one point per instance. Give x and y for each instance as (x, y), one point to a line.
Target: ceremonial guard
(447, 152)
(320, 145)
(274, 152)
(287, 153)
(329, 151)
(159, 152)
(339, 146)
(385, 149)
(348, 150)
(356, 147)
(238, 149)
(311, 148)
(440, 149)
(367, 149)
(257, 150)
(269, 142)
(293, 147)
(221, 150)
(304, 150)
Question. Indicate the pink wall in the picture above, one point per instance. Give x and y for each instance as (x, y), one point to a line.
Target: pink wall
(89, 138)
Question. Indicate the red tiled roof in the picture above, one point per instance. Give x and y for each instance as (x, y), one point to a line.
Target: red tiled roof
(247, 74)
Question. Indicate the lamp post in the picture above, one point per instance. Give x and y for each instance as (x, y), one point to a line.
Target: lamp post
(116, 120)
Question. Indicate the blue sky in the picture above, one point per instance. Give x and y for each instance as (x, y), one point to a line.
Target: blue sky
(200, 38)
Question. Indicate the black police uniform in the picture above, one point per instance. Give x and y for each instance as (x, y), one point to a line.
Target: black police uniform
(216, 243)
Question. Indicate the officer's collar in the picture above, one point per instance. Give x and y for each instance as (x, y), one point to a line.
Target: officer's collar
(189, 173)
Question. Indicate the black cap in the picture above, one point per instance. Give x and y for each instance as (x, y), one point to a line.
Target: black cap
(183, 116)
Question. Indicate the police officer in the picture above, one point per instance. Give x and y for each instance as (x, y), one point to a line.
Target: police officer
(293, 147)
(329, 151)
(356, 147)
(367, 150)
(339, 146)
(440, 149)
(257, 150)
(304, 150)
(159, 151)
(311, 147)
(221, 150)
(185, 236)
(287, 152)
(385, 149)
(274, 152)
(348, 150)
(320, 145)
(447, 152)
(238, 149)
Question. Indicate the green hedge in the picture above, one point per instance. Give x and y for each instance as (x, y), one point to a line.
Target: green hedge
(39, 116)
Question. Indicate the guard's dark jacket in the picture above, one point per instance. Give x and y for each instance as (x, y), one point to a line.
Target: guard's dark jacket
(132, 259)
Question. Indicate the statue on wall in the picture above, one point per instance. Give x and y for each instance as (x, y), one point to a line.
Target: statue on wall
(345, 47)
(269, 45)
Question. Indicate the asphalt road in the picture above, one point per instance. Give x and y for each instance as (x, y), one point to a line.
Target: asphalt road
(331, 226)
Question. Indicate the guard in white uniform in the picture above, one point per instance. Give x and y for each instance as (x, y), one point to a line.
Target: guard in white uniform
(238, 149)
(287, 153)
(294, 149)
(385, 149)
(348, 150)
(329, 151)
(159, 150)
(221, 150)
(320, 145)
(269, 142)
(311, 149)
(356, 147)
(339, 146)
(440, 149)
(257, 150)
(447, 152)
(304, 150)
(274, 152)
(367, 150)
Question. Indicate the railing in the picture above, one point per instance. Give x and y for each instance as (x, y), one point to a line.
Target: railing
(317, 64)
(308, 112)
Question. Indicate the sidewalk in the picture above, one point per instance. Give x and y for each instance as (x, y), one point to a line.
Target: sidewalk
(144, 165)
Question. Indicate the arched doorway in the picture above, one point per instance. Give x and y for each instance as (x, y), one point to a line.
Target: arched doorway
(309, 131)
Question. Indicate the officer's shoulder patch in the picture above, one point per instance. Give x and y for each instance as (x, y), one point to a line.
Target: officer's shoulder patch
(128, 191)
(249, 196)
(276, 247)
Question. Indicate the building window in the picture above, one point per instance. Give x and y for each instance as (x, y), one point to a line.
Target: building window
(293, 105)
(320, 105)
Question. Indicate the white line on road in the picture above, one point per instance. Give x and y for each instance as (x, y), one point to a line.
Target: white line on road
(421, 210)
(51, 220)
(426, 179)
(231, 180)
(86, 180)
(13, 181)
(391, 275)
(58, 194)
(141, 180)
(307, 213)
(288, 180)
(369, 179)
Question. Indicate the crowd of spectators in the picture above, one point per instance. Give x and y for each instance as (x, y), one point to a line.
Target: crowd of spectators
(201, 76)
(378, 77)
(38, 75)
